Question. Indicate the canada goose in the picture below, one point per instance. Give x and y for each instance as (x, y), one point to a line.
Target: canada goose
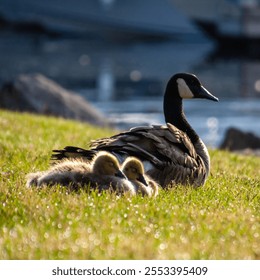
(171, 153)
(102, 173)
(134, 171)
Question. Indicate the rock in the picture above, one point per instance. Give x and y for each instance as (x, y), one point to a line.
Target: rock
(236, 139)
(38, 94)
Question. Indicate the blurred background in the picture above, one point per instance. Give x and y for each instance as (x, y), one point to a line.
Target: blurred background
(119, 55)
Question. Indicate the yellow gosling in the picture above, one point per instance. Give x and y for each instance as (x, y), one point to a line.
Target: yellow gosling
(134, 171)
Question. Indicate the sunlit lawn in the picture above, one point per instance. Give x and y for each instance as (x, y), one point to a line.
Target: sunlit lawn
(220, 220)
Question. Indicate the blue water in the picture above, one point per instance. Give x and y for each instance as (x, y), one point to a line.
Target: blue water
(126, 81)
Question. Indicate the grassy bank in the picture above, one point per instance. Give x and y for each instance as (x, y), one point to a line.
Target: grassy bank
(220, 220)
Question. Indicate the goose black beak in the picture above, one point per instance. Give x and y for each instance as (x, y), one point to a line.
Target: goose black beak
(204, 93)
(120, 174)
(142, 180)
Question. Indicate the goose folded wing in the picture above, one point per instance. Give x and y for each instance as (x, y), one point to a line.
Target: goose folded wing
(159, 144)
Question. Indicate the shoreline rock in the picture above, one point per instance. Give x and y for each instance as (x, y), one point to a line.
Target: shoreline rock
(238, 141)
(37, 94)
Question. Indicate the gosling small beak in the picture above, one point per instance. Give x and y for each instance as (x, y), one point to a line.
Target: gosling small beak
(204, 93)
(120, 174)
(142, 180)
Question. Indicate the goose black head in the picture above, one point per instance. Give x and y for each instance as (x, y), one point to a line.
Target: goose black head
(189, 86)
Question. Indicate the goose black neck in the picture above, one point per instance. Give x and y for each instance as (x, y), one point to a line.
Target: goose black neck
(174, 114)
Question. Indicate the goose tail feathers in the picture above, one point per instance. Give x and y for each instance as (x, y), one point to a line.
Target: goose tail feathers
(72, 152)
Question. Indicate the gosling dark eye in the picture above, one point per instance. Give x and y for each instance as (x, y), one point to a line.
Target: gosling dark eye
(111, 164)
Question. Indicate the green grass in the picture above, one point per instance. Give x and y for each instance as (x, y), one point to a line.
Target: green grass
(220, 220)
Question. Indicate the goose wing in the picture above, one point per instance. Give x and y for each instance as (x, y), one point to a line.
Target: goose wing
(161, 145)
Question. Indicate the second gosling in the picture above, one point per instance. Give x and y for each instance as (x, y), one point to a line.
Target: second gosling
(134, 171)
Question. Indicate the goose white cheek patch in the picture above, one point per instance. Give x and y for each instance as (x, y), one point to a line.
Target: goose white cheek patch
(184, 90)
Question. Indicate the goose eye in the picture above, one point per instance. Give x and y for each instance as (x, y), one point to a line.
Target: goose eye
(195, 82)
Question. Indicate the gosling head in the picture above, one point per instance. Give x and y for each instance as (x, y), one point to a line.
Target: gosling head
(108, 165)
(189, 86)
(134, 170)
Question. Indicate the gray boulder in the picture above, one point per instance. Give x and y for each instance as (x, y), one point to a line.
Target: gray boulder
(236, 140)
(38, 94)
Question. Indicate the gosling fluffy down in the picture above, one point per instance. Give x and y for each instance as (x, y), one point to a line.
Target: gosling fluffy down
(102, 173)
(134, 171)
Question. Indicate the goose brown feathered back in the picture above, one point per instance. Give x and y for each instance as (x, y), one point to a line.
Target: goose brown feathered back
(171, 153)
(102, 173)
(134, 171)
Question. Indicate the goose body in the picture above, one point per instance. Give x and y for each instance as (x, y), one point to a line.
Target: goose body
(134, 171)
(171, 153)
(102, 173)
